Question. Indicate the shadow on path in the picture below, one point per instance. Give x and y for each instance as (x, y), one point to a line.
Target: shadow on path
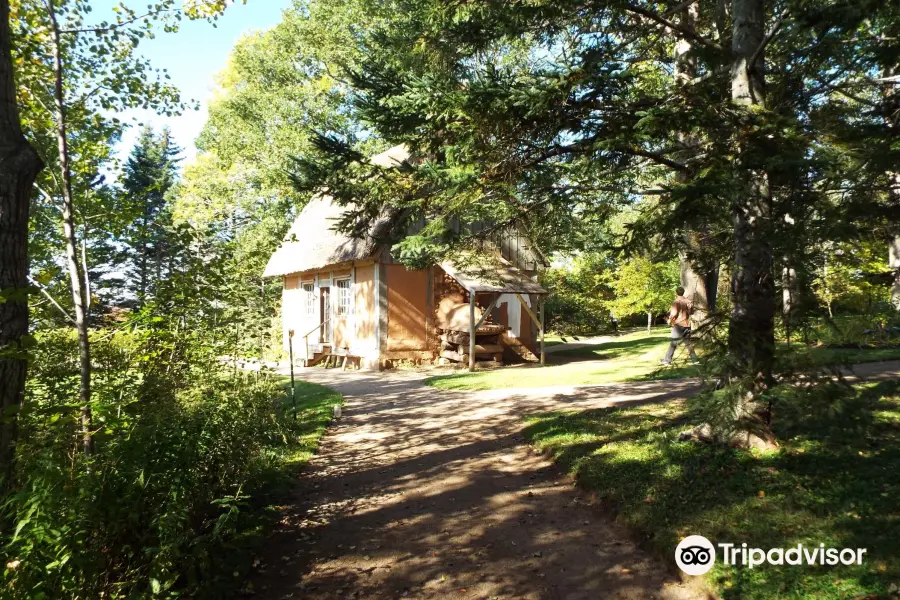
(425, 493)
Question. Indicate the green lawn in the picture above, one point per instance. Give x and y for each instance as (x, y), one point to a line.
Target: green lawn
(314, 409)
(630, 357)
(834, 481)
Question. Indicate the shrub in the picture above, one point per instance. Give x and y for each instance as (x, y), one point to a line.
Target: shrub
(182, 448)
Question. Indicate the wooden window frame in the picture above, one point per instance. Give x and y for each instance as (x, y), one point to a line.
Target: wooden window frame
(309, 297)
(343, 307)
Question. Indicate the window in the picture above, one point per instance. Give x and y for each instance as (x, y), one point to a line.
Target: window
(310, 297)
(343, 296)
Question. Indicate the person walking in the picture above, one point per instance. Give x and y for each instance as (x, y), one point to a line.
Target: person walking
(680, 320)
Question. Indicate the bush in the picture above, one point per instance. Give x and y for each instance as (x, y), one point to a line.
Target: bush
(182, 449)
(876, 328)
(577, 302)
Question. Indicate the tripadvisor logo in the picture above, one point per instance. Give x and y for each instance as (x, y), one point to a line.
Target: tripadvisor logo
(695, 555)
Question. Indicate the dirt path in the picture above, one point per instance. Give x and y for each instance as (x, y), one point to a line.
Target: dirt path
(423, 493)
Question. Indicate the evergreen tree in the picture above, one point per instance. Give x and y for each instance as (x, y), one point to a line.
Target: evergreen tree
(146, 249)
(519, 111)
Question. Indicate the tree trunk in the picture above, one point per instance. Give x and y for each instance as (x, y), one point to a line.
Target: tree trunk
(19, 166)
(649, 322)
(751, 335)
(76, 277)
(700, 287)
(892, 122)
(894, 263)
(790, 296)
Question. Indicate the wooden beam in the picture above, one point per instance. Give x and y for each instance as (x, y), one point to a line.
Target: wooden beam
(542, 301)
(471, 331)
(528, 310)
(487, 312)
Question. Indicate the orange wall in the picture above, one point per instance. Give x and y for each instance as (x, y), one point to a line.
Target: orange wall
(407, 298)
(364, 302)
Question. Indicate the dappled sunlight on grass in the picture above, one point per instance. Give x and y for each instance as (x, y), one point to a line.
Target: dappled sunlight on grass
(633, 357)
(833, 481)
(628, 358)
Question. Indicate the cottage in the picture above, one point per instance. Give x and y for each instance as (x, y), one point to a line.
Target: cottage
(346, 300)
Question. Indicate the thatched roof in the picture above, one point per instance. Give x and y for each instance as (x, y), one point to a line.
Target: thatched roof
(312, 242)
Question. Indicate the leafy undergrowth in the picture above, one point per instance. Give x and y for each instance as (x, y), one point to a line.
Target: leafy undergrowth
(188, 459)
(833, 481)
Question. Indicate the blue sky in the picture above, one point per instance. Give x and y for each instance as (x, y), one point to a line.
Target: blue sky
(193, 56)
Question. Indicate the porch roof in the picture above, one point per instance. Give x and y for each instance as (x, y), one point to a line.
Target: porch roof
(497, 276)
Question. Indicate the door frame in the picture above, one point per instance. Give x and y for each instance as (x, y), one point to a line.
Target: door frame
(326, 332)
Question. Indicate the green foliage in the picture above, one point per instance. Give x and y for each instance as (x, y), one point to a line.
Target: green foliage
(185, 451)
(579, 294)
(142, 249)
(853, 277)
(278, 87)
(643, 286)
(831, 482)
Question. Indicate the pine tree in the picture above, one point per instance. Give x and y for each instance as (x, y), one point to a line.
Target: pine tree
(150, 172)
(520, 111)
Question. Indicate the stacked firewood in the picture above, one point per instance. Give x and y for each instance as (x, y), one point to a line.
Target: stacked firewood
(455, 344)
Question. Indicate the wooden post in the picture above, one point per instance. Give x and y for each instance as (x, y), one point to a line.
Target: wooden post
(291, 356)
(543, 301)
(471, 331)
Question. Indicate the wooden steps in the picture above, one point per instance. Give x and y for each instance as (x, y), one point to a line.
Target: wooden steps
(329, 358)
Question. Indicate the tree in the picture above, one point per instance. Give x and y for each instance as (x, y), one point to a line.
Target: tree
(643, 286)
(280, 85)
(18, 170)
(520, 110)
(98, 64)
(149, 174)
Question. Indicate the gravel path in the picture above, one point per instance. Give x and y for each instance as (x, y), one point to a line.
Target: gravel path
(424, 493)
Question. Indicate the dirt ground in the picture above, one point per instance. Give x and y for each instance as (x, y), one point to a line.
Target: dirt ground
(423, 493)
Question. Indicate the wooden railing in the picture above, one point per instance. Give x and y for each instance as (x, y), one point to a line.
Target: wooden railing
(309, 333)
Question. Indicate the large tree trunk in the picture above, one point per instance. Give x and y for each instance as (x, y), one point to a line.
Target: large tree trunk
(751, 334)
(751, 337)
(77, 280)
(700, 284)
(19, 165)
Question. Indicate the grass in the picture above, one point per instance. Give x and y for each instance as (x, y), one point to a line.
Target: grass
(632, 357)
(833, 481)
(314, 412)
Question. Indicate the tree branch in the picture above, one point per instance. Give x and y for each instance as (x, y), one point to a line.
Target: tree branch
(47, 295)
(118, 25)
(678, 7)
(686, 32)
(653, 156)
(766, 40)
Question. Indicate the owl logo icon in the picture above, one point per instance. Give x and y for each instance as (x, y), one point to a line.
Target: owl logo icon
(695, 555)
